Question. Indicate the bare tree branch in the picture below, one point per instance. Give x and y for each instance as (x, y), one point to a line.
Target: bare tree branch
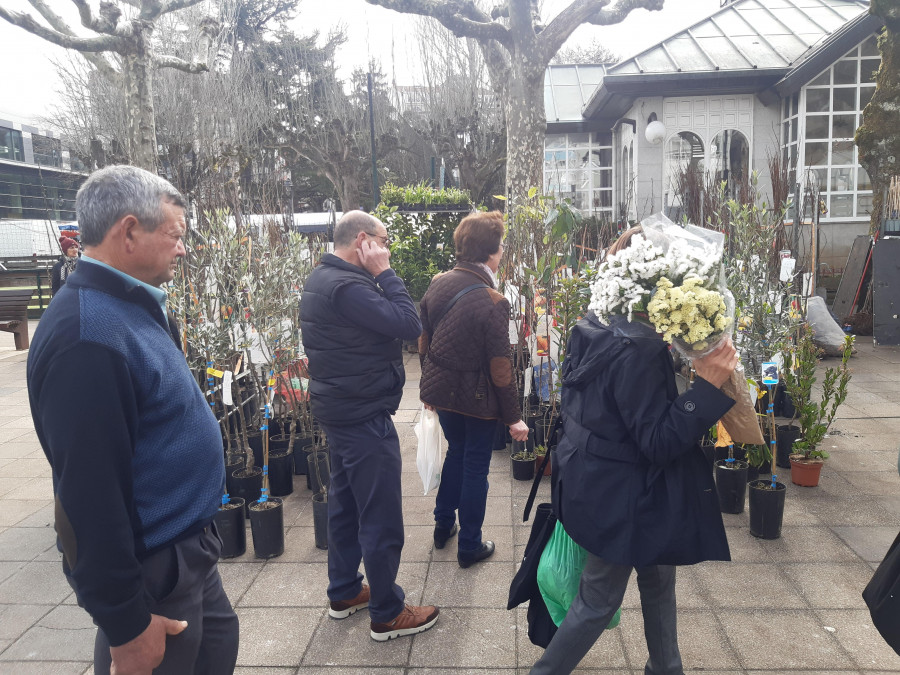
(98, 44)
(565, 23)
(166, 61)
(56, 22)
(456, 15)
(153, 9)
(617, 14)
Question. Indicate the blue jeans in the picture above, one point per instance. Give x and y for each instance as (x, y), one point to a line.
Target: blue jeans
(464, 484)
(365, 514)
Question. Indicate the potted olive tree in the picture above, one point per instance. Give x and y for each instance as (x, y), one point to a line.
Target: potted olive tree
(815, 411)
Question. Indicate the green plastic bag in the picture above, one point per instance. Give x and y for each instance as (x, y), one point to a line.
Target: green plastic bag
(559, 574)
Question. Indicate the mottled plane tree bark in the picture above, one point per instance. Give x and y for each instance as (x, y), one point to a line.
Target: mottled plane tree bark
(879, 136)
(122, 47)
(517, 48)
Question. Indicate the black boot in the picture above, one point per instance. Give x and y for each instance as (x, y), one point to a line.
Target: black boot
(469, 558)
(442, 534)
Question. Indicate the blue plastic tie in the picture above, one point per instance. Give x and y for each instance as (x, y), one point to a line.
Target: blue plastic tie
(226, 499)
(730, 459)
(265, 469)
(212, 404)
(263, 427)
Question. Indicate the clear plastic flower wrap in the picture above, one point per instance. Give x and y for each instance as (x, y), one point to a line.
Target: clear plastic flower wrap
(672, 277)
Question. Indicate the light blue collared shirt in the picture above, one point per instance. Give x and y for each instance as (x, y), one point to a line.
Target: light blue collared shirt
(158, 294)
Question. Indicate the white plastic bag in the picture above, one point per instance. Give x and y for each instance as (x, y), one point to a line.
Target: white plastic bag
(430, 453)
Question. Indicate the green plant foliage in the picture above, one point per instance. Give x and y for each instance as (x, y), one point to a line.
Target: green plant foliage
(423, 194)
(758, 455)
(421, 245)
(815, 413)
(763, 313)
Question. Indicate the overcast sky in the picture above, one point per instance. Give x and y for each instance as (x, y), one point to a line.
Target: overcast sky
(28, 83)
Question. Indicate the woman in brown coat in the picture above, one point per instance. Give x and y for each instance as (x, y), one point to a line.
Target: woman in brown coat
(467, 377)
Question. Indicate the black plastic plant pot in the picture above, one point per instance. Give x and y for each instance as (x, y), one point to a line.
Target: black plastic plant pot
(785, 435)
(267, 527)
(231, 523)
(731, 485)
(281, 472)
(523, 469)
(787, 406)
(278, 442)
(232, 463)
(320, 520)
(766, 509)
(302, 444)
(247, 485)
(320, 477)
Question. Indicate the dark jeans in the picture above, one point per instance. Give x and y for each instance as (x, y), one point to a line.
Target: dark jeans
(599, 595)
(183, 583)
(365, 514)
(464, 484)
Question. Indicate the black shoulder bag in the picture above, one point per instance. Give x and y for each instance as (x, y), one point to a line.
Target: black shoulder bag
(524, 586)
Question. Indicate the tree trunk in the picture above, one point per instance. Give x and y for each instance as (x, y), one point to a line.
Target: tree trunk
(137, 70)
(348, 191)
(526, 124)
(879, 136)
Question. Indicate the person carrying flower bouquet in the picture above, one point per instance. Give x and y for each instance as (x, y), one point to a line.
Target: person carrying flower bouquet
(633, 488)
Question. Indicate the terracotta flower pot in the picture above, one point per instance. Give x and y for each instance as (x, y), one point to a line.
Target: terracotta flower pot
(805, 472)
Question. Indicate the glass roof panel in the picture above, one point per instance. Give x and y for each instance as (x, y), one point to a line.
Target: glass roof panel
(627, 68)
(568, 102)
(787, 45)
(688, 54)
(706, 29)
(549, 108)
(656, 61)
(733, 24)
(798, 22)
(758, 51)
(763, 21)
(564, 75)
(591, 74)
(723, 53)
(827, 18)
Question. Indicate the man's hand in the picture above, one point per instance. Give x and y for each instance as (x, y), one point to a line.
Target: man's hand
(374, 258)
(145, 652)
(717, 366)
(519, 431)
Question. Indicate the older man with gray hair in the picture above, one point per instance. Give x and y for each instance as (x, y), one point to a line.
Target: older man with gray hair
(136, 453)
(353, 313)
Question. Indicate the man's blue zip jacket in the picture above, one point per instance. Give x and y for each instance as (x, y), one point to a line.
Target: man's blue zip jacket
(135, 450)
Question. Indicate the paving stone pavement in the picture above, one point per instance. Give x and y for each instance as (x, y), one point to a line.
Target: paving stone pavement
(787, 606)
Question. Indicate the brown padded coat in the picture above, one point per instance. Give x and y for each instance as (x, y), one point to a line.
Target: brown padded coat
(468, 369)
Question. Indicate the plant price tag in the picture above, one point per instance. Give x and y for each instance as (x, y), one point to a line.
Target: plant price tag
(214, 372)
(226, 388)
(770, 373)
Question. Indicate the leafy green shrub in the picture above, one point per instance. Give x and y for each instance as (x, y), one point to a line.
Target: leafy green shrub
(421, 245)
(422, 193)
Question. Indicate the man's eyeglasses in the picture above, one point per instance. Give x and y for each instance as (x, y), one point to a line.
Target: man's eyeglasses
(384, 239)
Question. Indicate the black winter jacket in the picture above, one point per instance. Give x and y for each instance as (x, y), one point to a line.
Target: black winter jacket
(355, 369)
(632, 485)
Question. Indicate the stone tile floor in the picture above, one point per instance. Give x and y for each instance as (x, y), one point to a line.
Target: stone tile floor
(787, 606)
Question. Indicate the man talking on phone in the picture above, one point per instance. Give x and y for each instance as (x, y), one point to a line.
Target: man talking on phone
(354, 312)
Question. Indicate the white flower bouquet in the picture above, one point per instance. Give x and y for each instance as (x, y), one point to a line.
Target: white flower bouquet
(671, 278)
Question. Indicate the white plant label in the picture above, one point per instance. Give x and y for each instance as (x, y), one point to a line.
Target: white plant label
(226, 387)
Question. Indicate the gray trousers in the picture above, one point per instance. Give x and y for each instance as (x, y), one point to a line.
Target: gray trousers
(183, 583)
(599, 596)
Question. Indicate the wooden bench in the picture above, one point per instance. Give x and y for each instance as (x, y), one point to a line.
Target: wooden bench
(14, 314)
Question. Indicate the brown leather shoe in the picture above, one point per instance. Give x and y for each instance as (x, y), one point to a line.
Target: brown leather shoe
(410, 621)
(341, 609)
